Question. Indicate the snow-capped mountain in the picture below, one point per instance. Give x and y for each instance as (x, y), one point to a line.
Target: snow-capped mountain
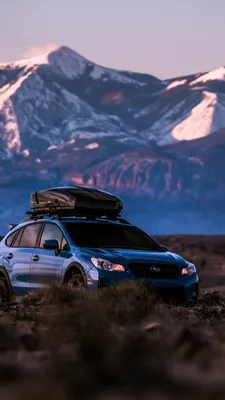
(50, 99)
(64, 119)
(57, 96)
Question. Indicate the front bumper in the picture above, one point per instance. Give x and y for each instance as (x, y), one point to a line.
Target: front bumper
(185, 288)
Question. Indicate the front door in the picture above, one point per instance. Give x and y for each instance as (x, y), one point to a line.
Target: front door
(46, 266)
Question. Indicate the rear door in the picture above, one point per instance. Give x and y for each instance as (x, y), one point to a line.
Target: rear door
(46, 267)
(18, 256)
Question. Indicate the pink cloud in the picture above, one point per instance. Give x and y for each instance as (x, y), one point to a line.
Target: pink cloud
(37, 51)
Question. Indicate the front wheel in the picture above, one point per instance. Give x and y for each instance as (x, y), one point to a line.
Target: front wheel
(75, 280)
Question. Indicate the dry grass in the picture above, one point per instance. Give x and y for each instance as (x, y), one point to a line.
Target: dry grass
(207, 252)
(118, 343)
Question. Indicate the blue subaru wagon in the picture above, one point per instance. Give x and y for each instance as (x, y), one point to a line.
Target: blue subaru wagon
(56, 245)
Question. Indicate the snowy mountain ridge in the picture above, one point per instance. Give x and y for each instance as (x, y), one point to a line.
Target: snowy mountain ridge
(65, 120)
(67, 62)
(50, 99)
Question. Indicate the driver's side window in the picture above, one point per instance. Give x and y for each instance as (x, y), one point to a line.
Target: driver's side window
(52, 232)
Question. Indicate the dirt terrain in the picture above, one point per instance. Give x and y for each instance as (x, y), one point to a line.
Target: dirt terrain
(206, 252)
(119, 343)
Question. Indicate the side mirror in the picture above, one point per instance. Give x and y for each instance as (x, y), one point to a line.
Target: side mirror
(164, 248)
(51, 244)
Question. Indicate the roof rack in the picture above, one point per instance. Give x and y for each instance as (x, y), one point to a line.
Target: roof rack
(75, 202)
(36, 216)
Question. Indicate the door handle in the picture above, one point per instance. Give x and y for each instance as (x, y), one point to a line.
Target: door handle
(9, 256)
(35, 258)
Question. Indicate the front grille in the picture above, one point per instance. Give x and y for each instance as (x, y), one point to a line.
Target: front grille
(154, 271)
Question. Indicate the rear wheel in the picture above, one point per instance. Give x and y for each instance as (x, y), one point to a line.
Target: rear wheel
(4, 293)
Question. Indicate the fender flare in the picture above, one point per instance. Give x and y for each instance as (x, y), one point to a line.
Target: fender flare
(79, 267)
(6, 276)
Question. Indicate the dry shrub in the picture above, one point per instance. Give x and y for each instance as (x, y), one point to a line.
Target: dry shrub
(116, 343)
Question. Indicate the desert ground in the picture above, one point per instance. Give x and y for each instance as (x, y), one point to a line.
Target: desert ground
(119, 343)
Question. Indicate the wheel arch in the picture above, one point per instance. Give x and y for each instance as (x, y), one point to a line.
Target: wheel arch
(74, 266)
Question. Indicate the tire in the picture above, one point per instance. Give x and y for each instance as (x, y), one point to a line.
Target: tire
(4, 292)
(75, 280)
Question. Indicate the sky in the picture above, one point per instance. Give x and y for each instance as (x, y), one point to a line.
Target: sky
(165, 38)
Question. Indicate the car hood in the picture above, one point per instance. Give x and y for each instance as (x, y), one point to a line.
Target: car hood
(125, 256)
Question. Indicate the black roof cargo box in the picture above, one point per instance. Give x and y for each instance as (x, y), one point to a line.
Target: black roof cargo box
(75, 200)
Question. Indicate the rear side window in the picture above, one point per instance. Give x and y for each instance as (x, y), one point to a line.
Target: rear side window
(30, 235)
(10, 239)
(18, 238)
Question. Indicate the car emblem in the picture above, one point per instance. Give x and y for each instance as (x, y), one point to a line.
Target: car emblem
(155, 269)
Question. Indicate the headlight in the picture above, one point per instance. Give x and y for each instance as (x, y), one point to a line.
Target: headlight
(107, 265)
(189, 270)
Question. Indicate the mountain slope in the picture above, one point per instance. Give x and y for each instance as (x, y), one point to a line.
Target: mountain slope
(61, 95)
(65, 120)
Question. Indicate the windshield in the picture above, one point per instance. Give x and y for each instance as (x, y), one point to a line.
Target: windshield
(104, 235)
